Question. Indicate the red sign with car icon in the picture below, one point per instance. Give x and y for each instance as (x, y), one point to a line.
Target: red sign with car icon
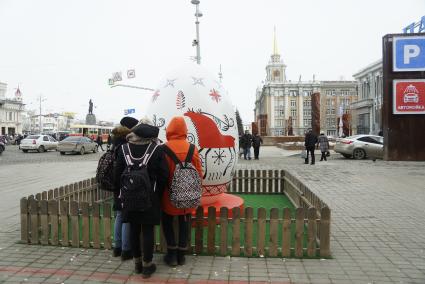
(409, 96)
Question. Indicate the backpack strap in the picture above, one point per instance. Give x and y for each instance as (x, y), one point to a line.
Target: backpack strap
(190, 154)
(148, 154)
(171, 154)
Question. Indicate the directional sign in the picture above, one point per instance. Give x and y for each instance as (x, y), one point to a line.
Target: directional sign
(409, 96)
(409, 54)
(129, 111)
(131, 74)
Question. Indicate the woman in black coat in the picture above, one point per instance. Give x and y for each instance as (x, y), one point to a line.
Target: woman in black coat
(122, 245)
(141, 137)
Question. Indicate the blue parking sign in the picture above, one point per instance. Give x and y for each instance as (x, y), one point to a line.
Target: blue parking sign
(409, 53)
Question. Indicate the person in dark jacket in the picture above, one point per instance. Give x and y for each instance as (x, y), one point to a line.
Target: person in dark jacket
(108, 146)
(256, 143)
(143, 136)
(99, 142)
(122, 245)
(310, 143)
(246, 145)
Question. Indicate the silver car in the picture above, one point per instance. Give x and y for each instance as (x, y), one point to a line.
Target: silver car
(361, 146)
(38, 143)
(77, 144)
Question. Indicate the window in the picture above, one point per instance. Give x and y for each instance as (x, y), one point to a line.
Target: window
(372, 140)
(293, 103)
(307, 121)
(10, 116)
(345, 92)
(307, 103)
(293, 93)
(51, 139)
(45, 138)
(307, 112)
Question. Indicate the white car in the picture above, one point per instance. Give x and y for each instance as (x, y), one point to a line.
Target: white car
(38, 143)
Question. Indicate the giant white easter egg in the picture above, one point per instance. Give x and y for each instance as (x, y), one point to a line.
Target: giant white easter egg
(195, 94)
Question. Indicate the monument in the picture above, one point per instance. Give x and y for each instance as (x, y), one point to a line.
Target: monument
(90, 117)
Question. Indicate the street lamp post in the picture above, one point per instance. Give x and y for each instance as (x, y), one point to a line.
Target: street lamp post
(198, 14)
(40, 99)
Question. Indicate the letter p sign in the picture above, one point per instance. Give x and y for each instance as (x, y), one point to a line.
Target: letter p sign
(409, 53)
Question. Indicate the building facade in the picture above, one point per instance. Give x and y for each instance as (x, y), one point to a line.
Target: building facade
(283, 107)
(367, 111)
(50, 123)
(11, 110)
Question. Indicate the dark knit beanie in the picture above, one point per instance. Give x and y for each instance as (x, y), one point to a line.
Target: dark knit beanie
(146, 131)
(129, 122)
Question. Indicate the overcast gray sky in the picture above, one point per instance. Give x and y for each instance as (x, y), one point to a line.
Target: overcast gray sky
(67, 50)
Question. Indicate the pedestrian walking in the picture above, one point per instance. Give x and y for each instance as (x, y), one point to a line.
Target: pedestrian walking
(246, 145)
(176, 142)
(99, 142)
(256, 143)
(122, 245)
(310, 143)
(143, 173)
(323, 144)
(108, 146)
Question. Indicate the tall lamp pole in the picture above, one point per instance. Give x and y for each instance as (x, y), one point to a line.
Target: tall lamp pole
(40, 99)
(198, 14)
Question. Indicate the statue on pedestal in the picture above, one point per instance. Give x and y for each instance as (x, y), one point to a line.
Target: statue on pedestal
(90, 117)
(90, 107)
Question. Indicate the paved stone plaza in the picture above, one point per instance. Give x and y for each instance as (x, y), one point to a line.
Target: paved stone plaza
(378, 226)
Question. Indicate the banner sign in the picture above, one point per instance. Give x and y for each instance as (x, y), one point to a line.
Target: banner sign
(409, 96)
(117, 76)
(129, 111)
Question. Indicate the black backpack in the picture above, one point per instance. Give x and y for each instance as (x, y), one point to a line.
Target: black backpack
(186, 185)
(104, 171)
(136, 192)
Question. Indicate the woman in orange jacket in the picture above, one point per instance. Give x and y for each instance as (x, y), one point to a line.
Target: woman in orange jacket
(176, 140)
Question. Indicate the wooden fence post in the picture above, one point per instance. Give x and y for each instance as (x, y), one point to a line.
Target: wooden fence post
(223, 230)
(24, 220)
(44, 221)
(236, 238)
(96, 225)
(86, 224)
(211, 230)
(199, 243)
(325, 224)
(299, 231)
(311, 245)
(34, 221)
(107, 225)
(75, 233)
(54, 224)
(261, 232)
(274, 224)
(249, 215)
(286, 233)
(64, 213)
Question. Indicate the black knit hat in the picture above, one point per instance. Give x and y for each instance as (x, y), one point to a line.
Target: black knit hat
(146, 131)
(129, 122)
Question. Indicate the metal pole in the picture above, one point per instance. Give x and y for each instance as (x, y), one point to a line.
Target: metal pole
(39, 126)
(198, 46)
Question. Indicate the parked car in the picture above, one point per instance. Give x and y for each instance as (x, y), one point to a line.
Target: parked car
(38, 143)
(77, 144)
(361, 146)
